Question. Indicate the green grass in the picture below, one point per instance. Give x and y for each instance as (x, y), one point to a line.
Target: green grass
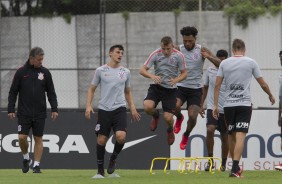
(50, 176)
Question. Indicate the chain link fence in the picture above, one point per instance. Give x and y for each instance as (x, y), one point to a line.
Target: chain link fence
(76, 37)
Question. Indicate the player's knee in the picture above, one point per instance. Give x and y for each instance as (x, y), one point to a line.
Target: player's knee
(22, 137)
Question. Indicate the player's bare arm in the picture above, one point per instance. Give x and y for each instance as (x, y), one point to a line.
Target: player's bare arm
(207, 54)
(128, 95)
(204, 96)
(89, 99)
(144, 72)
(266, 89)
(218, 83)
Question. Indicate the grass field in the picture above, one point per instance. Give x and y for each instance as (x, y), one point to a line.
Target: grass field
(50, 176)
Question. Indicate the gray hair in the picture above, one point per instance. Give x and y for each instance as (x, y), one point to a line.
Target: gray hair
(35, 51)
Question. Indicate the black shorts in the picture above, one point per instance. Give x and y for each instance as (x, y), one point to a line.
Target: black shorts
(238, 118)
(189, 95)
(167, 96)
(219, 124)
(108, 120)
(25, 124)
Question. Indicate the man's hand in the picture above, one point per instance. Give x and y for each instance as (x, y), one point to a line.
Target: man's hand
(88, 110)
(54, 115)
(202, 112)
(215, 112)
(272, 99)
(12, 115)
(135, 115)
(157, 79)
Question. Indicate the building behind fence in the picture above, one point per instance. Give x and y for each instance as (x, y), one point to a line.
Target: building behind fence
(74, 47)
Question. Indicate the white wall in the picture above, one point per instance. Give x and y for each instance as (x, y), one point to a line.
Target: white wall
(58, 40)
(263, 43)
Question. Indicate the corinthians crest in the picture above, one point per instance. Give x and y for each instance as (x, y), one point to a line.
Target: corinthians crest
(40, 76)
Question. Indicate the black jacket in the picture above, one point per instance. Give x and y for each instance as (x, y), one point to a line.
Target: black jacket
(32, 84)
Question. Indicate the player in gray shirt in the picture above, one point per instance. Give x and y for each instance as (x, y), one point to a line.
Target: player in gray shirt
(237, 72)
(212, 123)
(168, 63)
(114, 81)
(279, 167)
(190, 89)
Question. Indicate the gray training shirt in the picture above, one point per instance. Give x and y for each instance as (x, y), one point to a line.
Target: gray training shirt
(209, 81)
(166, 67)
(237, 72)
(113, 82)
(194, 62)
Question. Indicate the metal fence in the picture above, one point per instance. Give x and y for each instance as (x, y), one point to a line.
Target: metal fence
(77, 42)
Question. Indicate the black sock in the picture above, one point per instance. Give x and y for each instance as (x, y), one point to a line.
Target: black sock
(235, 166)
(178, 116)
(210, 155)
(169, 129)
(224, 162)
(156, 114)
(186, 133)
(100, 157)
(117, 149)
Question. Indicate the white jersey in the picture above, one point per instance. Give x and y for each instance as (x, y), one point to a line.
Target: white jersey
(194, 63)
(113, 82)
(209, 81)
(237, 72)
(166, 67)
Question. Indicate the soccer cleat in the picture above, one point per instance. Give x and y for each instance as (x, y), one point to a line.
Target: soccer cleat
(278, 167)
(170, 136)
(237, 174)
(26, 164)
(36, 169)
(154, 122)
(177, 126)
(207, 168)
(222, 168)
(98, 176)
(111, 167)
(183, 142)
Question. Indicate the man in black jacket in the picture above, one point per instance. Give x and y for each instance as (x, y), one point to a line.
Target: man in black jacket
(31, 82)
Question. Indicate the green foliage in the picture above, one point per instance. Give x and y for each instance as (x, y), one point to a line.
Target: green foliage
(242, 11)
(274, 10)
(67, 17)
(177, 11)
(125, 15)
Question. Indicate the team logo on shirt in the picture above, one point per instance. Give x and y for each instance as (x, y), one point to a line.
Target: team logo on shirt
(196, 56)
(171, 60)
(121, 74)
(40, 76)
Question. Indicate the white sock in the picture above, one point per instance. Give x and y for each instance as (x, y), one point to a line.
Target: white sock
(36, 163)
(26, 156)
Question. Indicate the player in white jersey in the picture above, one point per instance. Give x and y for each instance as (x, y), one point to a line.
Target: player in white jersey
(212, 123)
(168, 63)
(237, 72)
(190, 89)
(279, 167)
(114, 81)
